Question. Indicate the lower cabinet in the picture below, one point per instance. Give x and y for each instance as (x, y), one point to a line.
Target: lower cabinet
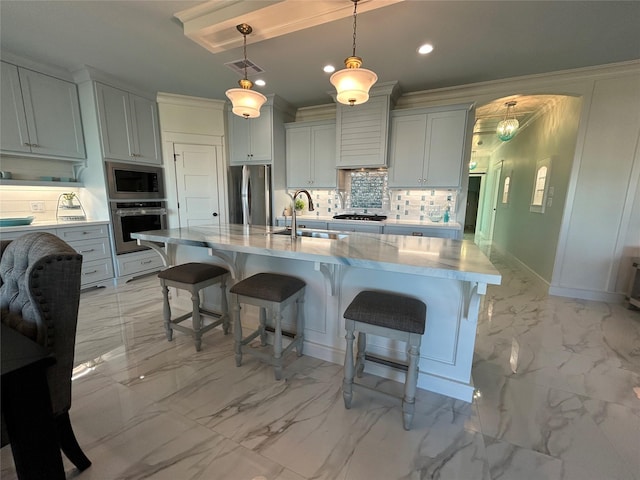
(138, 263)
(91, 241)
(355, 227)
(316, 224)
(439, 232)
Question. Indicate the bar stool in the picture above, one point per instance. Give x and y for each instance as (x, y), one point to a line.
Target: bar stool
(271, 292)
(193, 277)
(388, 315)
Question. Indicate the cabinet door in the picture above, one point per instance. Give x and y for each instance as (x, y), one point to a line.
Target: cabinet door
(53, 115)
(323, 163)
(261, 136)
(298, 148)
(445, 148)
(14, 122)
(239, 139)
(407, 150)
(115, 122)
(420, 231)
(144, 122)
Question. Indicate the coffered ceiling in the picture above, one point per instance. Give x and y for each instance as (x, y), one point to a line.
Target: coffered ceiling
(144, 43)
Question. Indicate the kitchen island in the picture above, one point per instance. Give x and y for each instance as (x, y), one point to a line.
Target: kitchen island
(450, 276)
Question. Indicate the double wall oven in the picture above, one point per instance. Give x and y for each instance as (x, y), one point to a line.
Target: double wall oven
(136, 201)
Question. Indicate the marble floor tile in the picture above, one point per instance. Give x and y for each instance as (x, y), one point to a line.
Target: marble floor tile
(558, 397)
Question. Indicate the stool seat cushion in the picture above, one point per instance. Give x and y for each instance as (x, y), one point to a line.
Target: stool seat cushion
(272, 287)
(192, 273)
(388, 310)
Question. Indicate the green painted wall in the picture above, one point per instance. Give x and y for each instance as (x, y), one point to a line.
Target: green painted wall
(533, 237)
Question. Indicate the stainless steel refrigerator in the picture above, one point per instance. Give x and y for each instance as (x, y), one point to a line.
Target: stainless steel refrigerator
(250, 195)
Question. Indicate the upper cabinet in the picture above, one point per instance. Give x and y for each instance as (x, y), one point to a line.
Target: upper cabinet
(40, 115)
(427, 147)
(362, 130)
(128, 126)
(251, 140)
(311, 154)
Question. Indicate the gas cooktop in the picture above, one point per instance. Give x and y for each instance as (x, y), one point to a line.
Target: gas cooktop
(360, 216)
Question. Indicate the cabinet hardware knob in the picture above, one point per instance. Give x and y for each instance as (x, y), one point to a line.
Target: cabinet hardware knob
(35, 145)
(146, 262)
(91, 272)
(26, 144)
(87, 251)
(215, 214)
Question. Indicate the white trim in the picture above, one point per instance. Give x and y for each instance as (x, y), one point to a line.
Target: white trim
(582, 294)
(186, 101)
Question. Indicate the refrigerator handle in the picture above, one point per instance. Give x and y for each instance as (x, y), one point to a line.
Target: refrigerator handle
(246, 195)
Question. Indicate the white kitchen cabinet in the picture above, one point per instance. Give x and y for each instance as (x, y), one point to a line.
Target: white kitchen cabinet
(420, 231)
(354, 226)
(303, 223)
(138, 263)
(40, 115)
(251, 139)
(92, 242)
(427, 148)
(311, 154)
(128, 126)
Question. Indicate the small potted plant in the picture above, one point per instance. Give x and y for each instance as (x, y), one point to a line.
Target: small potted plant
(299, 205)
(68, 199)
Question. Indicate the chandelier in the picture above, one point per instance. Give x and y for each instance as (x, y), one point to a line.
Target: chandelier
(508, 127)
(245, 102)
(353, 83)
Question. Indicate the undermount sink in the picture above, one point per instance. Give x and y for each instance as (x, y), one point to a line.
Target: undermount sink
(314, 234)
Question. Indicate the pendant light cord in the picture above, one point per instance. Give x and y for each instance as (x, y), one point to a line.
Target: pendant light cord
(244, 51)
(355, 7)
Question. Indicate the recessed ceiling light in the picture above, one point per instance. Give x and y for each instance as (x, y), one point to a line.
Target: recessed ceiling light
(260, 83)
(329, 69)
(426, 48)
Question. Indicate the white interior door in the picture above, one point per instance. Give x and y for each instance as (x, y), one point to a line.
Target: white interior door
(198, 187)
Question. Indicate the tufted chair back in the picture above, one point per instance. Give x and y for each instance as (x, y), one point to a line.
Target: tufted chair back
(39, 297)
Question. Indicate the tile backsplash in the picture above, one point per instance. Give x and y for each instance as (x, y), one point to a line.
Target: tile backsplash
(17, 201)
(399, 204)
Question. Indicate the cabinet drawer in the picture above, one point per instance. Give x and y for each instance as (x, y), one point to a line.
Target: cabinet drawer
(92, 249)
(12, 235)
(71, 234)
(353, 227)
(421, 231)
(96, 271)
(138, 262)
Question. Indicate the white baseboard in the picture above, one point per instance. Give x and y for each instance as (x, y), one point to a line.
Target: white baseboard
(582, 294)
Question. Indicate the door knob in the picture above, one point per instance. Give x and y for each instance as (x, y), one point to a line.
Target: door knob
(215, 214)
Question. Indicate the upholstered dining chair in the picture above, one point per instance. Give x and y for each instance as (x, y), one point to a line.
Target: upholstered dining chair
(39, 297)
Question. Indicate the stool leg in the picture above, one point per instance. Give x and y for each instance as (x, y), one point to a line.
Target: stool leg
(299, 325)
(237, 329)
(226, 322)
(263, 326)
(411, 381)
(197, 320)
(277, 342)
(166, 312)
(347, 383)
(362, 347)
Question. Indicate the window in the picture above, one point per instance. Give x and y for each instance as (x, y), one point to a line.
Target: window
(540, 186)
(505, 189)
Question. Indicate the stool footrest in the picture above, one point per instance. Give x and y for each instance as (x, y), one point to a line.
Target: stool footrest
(246, 340)
(270, 329)
(386, 361)
(268, 357)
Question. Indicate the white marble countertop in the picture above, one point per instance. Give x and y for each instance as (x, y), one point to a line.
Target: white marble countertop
(426, 256)
(388, 221)
(45, 225)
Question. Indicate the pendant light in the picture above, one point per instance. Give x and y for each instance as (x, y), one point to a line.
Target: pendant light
(245, 102)
(508, 127)
(353, 83)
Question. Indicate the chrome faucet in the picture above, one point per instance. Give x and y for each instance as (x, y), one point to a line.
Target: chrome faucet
(294, 224)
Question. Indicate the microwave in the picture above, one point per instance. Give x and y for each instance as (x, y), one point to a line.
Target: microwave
(131, 182)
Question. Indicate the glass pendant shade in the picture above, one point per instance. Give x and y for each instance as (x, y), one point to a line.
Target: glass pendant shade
(245, 102)
(508, 127)
(353, 84)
